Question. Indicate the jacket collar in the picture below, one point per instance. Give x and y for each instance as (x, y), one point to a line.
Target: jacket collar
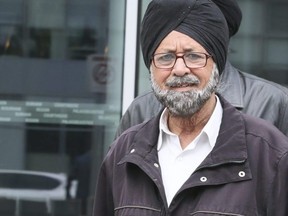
(228, 157)
(231, 141)
(232, 88)
(225, 150)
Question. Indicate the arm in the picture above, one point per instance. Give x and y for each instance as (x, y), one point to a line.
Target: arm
(143, 108)
(283, 121)
(278, 196)
(103, 202)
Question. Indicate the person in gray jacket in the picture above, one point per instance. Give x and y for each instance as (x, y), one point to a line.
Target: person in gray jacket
(248, 93)
(199, 155)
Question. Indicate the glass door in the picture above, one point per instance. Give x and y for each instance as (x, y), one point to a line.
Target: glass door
(60, 98)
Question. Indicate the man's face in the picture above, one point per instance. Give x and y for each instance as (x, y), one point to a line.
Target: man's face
(181, 89)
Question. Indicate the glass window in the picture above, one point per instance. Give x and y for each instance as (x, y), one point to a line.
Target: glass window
(260, 46)
(60, 91)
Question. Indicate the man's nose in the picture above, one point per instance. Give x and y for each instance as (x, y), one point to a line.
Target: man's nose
(180, 68)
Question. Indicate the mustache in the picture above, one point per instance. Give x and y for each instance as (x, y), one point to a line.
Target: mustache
(187, 80)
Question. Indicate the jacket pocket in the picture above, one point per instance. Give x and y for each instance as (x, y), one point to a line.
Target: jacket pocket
(213, 213)
(136, 211)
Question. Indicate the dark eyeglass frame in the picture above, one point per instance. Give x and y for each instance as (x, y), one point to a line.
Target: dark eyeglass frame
(207, 56)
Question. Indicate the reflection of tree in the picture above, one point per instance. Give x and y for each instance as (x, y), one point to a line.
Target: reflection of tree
(42, 43)
(35, 43)
(11, 45)
(82, 42)
(88, 38)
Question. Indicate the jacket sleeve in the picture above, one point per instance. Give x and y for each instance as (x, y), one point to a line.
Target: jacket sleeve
(103, 201)
(283, 124)
(278, 195)
(125, 121)
(143, 108)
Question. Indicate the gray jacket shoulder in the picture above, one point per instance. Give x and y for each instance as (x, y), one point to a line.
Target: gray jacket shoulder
(142, 108)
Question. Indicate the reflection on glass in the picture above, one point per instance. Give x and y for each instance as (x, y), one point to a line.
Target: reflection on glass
(60, 92)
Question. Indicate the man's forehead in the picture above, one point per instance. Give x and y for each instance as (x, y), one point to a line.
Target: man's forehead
(177, 40)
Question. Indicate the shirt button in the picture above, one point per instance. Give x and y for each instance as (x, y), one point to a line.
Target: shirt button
(241, 174)
(203, 179)
(156, 165)
(133, 150)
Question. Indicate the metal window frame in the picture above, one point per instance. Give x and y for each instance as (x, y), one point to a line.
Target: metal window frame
(130, 54)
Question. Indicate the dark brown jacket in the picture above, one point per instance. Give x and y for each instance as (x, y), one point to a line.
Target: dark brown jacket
(246, 173)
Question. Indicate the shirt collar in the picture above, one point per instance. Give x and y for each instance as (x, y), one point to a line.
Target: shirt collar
(211, 129)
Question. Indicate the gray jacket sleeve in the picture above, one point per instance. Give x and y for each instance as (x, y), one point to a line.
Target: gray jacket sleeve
(143, 108)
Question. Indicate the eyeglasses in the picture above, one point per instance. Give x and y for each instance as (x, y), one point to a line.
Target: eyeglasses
(191, 60)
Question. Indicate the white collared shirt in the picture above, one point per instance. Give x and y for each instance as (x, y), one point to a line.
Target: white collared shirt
(178, 164)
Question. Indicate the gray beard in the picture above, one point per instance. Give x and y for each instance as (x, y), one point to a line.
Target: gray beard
(184, 104)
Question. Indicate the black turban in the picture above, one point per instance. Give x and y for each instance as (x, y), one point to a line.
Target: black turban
(232, 13)
(201, 20)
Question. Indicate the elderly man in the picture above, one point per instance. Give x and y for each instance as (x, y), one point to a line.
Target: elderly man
(249, 94)
(199, 155)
